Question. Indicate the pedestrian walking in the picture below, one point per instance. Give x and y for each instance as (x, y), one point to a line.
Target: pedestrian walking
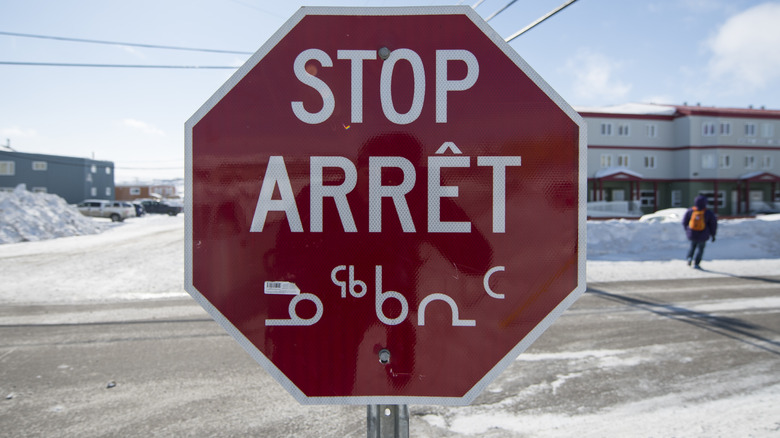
(700, 225)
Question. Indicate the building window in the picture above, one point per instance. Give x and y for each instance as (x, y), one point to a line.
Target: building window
(767, 162)
(710, 196)
(750, 129)
(647, 198)
(606, 160)
(622, 160)
(724, 161)
(650, 162)
(108, 191)
(676, 198)
(108, 171)
(39, 165)
(652, 131)
(767, 130)
(7, 168)
(708, 161)
(135, 191)
(725, 128)
(93, 191)
(624, 130)
(93, 169)
(708, 129)
(750, 162)
(606, 129)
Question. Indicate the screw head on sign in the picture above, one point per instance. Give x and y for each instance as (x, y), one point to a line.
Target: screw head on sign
(384, 356)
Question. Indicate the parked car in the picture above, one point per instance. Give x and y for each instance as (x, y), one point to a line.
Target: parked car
(117, 211)
(158, 207)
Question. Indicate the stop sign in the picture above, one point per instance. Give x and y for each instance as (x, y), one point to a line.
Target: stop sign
(386, 205)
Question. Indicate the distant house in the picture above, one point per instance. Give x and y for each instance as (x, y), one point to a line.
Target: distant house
(129, 192)
(642, 158)
(74, 179)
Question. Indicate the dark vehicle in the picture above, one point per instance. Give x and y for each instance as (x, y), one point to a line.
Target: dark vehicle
(156, 207)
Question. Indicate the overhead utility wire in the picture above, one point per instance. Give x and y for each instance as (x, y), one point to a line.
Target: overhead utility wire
(117, 43)
(493, 15)
(54, 64)
(530, 26)
(68, 64)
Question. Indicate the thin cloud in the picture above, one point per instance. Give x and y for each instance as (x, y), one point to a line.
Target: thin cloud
(595, 78)
(745, 50)
(17, 132)
(141, 126)
(133, 51)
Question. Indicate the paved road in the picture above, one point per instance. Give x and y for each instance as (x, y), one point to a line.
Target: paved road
(163, 368)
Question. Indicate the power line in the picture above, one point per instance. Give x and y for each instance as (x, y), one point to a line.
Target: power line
(493, 15)
(117, 43)
(212, 67)
(68, 64)
(542, 18)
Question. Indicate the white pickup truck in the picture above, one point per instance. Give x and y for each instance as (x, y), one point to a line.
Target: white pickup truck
(117, 211)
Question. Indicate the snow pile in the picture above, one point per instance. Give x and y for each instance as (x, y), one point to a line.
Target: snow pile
(27, 216)
(737, 239)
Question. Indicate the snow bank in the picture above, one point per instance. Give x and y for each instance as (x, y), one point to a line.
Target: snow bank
(737, 239)
(27, 216)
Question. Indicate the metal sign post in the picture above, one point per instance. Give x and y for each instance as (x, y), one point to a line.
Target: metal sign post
(388, 421)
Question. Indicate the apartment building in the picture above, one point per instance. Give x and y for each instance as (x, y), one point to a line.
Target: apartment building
(72, 178)
(644, 157)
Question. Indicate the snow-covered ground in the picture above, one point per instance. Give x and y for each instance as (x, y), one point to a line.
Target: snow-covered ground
(142, 258)
(631, 250)
(39, 263)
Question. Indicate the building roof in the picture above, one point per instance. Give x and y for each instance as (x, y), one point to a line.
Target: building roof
(712, 111)
(630, 109)
(759, 176)
(651, 110)
(618, 172)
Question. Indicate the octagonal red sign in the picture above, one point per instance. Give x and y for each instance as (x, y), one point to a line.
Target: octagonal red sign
(385, 205)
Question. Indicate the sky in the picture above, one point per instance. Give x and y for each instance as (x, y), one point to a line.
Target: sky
(593, 53)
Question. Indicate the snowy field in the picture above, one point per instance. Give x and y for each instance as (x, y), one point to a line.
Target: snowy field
(50, 254)
(36, 227)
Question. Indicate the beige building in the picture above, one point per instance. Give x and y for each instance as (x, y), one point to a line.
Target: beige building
(645, 157)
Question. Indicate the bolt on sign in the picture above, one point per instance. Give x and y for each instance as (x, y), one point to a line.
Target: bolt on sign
(386, 205)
